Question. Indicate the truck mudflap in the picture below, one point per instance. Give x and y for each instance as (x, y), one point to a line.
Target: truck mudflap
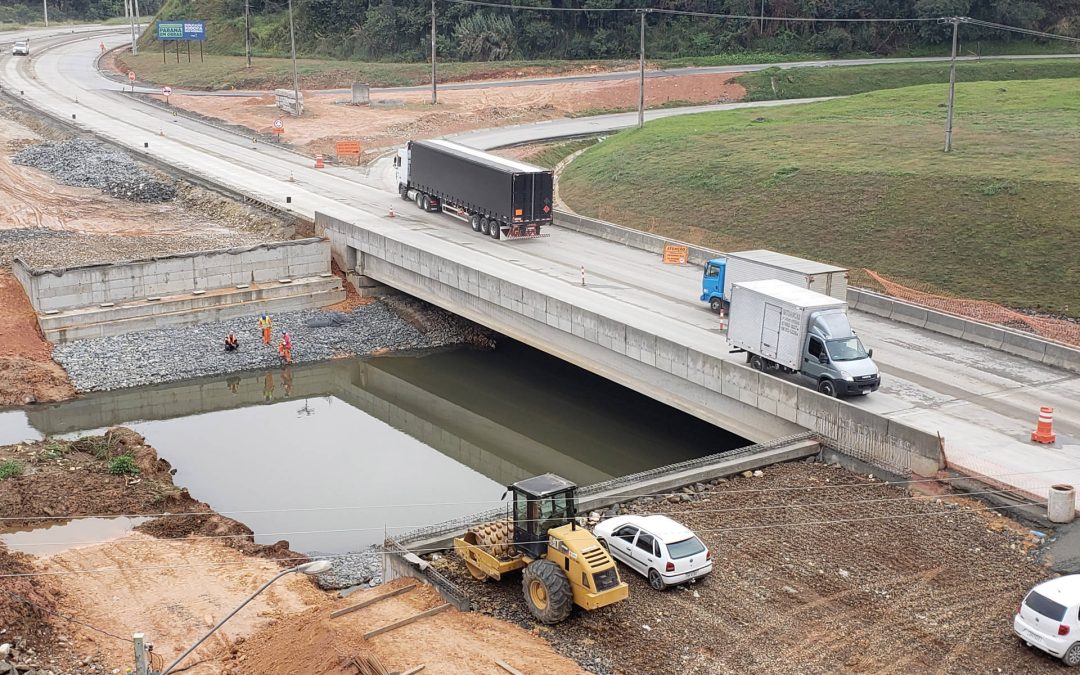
(523, 232)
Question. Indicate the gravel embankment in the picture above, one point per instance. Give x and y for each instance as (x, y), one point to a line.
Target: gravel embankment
(86, 163)
(352, 569)
(41, 248)
(172, 354)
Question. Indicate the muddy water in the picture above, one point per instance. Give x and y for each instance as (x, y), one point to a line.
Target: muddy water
(332, 456)
(64, 535)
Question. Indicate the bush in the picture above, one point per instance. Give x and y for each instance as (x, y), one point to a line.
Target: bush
(123, 465)
(10, 469)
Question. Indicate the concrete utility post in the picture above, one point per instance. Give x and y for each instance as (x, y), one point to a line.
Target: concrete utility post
(295, 77)
(45, 6)
(952, 84)
(131, 19)
(434, 89)
(641, 81)
(247, 31)
(138, 21)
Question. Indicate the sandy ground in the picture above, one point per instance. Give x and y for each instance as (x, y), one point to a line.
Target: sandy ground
(395, 118)
(447, 643)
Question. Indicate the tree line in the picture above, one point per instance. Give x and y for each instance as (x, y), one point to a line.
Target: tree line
(399, 29)
(31, 11)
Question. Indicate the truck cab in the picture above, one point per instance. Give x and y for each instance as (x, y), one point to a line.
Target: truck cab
(712, 283)
(835, 358)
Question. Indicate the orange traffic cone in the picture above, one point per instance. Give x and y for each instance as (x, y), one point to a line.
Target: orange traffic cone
(319, 162)
(723, 320)
(391, 214)
(1044, 431)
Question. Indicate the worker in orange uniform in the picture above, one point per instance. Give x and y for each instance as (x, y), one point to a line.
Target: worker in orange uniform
(267, 327)
(285, 348)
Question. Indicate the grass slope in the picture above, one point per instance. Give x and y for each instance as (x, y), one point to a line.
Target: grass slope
(766, 85)
(863, 182)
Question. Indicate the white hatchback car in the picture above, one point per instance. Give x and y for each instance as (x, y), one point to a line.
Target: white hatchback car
(20, 49)
(658, 547)
(1049, 618)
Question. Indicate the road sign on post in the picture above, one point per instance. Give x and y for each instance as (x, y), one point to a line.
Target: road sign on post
(131, 80)
(279, 127)
(166, 92)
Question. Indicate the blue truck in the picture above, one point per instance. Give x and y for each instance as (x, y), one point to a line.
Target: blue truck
(760, 264)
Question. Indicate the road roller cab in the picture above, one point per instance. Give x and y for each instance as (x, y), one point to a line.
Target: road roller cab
(564, 564)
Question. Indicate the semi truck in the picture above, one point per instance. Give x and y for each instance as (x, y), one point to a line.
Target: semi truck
(501, 198)
(721, 273)
(791, 329)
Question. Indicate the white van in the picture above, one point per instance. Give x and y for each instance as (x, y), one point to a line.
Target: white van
(1049, 618)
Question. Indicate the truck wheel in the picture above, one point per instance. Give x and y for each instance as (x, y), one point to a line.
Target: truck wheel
(427, 203)
(483, 225)
(474, 222)
(757, 363)
(495, 229)
(716, 304)
(419, 200)
(547, 591)
(403, 190)
(827, 387)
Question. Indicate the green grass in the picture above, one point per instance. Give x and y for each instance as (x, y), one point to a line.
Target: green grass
(229, 72)
(10, 469)
(123, 465)
(774, 83)
(551, 154)
(863, 182)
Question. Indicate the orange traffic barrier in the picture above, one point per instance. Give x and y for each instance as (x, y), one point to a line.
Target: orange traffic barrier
(723, 319)
(1044, 431)
(319, 162)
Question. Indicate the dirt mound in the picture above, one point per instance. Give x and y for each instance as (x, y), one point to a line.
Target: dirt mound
(24, 381)
(25, 602)
(228, 531)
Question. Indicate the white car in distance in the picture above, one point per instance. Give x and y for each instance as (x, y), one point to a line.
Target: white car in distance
(1049, 618)
(666, 552)
(21, 48)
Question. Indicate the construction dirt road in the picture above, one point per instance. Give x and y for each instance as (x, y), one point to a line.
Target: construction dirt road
(816, 570)
(394, 118)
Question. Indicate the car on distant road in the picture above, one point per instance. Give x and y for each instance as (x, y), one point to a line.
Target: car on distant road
(21, 48)
(665, 551)
(1049, 618)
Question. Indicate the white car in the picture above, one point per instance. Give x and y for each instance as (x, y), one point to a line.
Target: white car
(658, 547)
(1049, 618)
(21, 48)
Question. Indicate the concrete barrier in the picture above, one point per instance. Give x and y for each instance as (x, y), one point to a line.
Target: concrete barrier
(629, 236)
(60, 289)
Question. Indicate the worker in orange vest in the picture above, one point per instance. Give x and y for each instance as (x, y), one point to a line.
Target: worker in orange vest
(266, 326)
(285, 348)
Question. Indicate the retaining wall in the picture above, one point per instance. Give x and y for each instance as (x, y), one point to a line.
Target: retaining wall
(753, 404)
(60, 289)
(989, 335)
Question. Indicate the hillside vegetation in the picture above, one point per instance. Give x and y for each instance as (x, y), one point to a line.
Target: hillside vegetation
(378, 30)
(863, 182)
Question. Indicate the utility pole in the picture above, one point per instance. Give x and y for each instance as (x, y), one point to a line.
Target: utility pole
(434, 86)
(295, 77)
(138, 21)
(247, 31)
(761, 23)
(131, 18)
(641, 80)
(952, 84)
(45, 5)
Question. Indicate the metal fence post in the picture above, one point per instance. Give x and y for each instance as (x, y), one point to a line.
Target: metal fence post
(140, 654)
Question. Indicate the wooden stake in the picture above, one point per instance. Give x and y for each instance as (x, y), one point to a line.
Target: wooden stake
(508, 668)
(404, 622)
(372, 601)
(413, 671)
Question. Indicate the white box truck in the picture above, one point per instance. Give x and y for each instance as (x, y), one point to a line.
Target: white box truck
(721, 273)
(795, 330)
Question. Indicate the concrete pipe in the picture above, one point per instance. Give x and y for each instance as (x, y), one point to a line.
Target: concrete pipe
(1061, 504)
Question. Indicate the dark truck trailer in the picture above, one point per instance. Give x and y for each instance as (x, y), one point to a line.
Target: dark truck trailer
(499, 197)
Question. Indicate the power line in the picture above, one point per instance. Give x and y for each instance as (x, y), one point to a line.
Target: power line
(17, 596)
(380, 550)
(1015, 29)
(493, 502)
(468, 523)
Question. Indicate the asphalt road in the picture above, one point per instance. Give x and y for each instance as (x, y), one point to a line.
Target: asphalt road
(984, 402)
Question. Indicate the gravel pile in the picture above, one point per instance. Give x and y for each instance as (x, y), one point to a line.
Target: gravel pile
(85, 163)
(352, 569)
(43, 248)
(172, 354)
